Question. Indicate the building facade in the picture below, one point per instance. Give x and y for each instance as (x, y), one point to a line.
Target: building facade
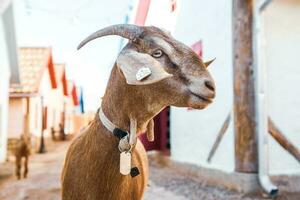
(31, 99)
(74, 118)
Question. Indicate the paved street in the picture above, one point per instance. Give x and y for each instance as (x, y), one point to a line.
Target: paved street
(44, 183)
(44, 180)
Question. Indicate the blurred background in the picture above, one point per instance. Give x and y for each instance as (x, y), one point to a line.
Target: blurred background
(49, 91)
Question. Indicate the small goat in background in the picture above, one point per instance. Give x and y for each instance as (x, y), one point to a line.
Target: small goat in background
(22, 150)
(152, 71)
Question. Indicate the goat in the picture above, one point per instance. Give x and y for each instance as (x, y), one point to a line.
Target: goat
(175, 76)
(22, 150)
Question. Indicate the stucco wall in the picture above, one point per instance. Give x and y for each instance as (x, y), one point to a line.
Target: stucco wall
(160, 15)
(282, 31)
(35, 116)
(49, 100)
(57, 104)
(16, 117)
(193, 132)
(4, 81)
(69, 116)
(17, 111)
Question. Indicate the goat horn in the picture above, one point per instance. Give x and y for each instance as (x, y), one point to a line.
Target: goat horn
(128, 31)
(209, 62)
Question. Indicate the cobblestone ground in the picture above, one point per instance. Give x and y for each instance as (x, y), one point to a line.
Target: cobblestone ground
(43, 183)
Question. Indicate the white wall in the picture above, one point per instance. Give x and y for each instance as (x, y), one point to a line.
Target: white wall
(193, 132)
(4, 81)
(16, 120)
(282, 31)
(160, 15)
(49, 101)
(35, 116)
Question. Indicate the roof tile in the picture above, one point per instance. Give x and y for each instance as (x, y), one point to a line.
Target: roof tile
(32, 63)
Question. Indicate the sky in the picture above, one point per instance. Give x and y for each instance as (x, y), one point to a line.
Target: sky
(62, 25)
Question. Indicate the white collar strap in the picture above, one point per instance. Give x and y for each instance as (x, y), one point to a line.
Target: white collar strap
(106, 122)
(126, 141)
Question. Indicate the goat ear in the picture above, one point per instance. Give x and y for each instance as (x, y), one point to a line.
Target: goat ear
(140, 68)
(209, 62)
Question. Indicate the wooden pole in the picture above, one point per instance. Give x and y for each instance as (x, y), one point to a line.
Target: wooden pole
(282, 140)
(244, 96)
(42, 148)
(26, 133)
(219, 137)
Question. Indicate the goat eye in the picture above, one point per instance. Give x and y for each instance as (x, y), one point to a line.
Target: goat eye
(157, 53)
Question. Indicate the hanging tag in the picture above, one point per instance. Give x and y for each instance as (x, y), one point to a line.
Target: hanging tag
(125, 163)
(142, 73)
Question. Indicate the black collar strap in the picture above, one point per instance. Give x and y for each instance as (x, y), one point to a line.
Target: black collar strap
(119, 133)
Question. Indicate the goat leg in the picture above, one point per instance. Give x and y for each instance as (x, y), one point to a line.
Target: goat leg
(18, 166)
(25, 167)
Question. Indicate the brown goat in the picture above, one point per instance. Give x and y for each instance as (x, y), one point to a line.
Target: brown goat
(22, 150)
(178, 77)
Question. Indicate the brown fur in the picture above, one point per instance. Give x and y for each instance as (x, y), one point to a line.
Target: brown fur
(91, 170)
(22, 150)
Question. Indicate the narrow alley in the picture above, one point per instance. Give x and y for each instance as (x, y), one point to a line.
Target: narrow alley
(43, 182)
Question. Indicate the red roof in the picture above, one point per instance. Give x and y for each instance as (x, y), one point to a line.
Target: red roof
(72, 91)
(60, 75)
(32, 64)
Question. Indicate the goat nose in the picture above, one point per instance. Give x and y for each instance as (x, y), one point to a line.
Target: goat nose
(210, 85)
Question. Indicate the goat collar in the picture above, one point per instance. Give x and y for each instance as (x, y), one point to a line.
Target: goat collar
(127, 141)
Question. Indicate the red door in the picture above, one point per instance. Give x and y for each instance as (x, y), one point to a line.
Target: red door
(161, 133)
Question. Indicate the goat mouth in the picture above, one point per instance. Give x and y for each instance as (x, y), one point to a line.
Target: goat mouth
(202, 98)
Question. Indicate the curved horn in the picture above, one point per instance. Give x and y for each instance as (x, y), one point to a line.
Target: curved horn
(128, 31)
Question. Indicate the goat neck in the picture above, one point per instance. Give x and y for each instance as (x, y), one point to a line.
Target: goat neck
(123, 102)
